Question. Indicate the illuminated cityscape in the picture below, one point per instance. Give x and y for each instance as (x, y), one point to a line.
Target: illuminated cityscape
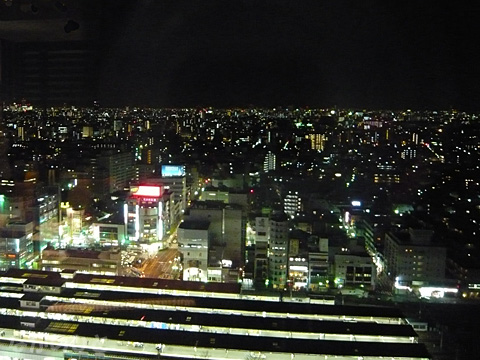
(363, 218)
(229, 181)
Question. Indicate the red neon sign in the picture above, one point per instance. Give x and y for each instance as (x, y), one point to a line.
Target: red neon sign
(150, 191)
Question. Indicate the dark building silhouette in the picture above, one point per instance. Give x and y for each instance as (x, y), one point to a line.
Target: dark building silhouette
(47, 53)
(48, 73)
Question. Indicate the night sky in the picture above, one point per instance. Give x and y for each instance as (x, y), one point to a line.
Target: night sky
(361, 54)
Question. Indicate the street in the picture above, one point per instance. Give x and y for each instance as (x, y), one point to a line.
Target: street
(165, 265)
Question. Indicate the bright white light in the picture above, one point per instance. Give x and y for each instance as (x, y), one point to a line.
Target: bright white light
(298, 268)
(436, 292)
(160, 220)
(153, 191)
(137, 222)
(401, 287)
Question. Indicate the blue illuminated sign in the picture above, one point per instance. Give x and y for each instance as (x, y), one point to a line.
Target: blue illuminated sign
(173, 170)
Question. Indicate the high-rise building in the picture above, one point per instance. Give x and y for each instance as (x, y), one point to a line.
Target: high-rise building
(18, 200)
(278, 250)
(118, 167)
(413, 257)
(193, 244)
(227, 228)
(234, 234)
(409, 153)
(317, 141)
(47, 204)
(292, 204)
(16, 245)
(269, 163)
(211, 211)
(147, 214)
(261, 249)
(174, 179)
(97, 179)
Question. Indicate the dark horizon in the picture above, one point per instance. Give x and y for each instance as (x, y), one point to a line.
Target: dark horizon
(372, 55)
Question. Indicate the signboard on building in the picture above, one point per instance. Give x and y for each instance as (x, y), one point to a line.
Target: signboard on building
(147, 191)
(173, 170)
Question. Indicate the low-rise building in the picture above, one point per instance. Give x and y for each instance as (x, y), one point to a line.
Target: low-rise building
(16, 245)
(107, 234)
(354, 269)
(89, 261)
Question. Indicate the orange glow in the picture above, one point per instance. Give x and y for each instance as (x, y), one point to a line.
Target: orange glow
(153, 191)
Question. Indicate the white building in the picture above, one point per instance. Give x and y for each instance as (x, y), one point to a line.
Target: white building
(227, 227)
(193, 244)
(298, 271)
(109, 234)
(147, 214)
(413, 256)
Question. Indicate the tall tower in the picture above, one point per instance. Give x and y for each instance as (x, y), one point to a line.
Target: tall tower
(278, 251)
(270, 162)
(292, 204)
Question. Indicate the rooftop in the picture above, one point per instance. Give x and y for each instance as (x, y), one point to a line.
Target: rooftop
(192, 224)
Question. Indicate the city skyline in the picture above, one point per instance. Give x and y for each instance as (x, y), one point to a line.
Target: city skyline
(167, 166)
(378, 206)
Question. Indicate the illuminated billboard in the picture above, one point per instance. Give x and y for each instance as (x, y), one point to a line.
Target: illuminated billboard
(173, 170)
(147, 191)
